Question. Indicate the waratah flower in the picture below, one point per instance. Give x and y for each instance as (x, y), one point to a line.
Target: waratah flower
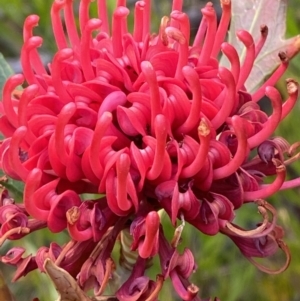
(143, 122)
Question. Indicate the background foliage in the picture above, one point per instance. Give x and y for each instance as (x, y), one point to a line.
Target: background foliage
(222, 270)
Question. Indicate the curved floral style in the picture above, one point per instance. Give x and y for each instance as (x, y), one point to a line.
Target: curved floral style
(144, 122)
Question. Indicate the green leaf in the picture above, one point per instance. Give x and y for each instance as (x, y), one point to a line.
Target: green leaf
(91, 196)
(5, 72)
(250, 15)
(15, 188)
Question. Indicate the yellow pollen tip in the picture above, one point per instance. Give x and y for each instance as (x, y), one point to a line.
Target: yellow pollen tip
(292, 86)
(203, 128)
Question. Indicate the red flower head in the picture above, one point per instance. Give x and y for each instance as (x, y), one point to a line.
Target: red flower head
(151, 121)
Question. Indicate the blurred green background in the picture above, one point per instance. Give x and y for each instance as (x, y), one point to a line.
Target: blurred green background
(222, 270)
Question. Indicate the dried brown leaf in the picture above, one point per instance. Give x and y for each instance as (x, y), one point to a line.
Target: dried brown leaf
(5, 293)
(64, 283)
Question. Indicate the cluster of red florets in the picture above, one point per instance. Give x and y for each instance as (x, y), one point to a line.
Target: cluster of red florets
(143, 122)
